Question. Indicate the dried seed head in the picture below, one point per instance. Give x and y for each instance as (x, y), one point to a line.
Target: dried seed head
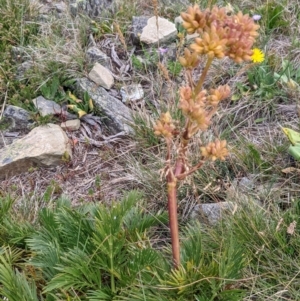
(215, 150)
(217, 95)
(220, 34)
(241, 34)
(212, 43)
(194, 107)
(249, 27)
(216, 14)
(164, 126)
(164, 71)
(185, 93)
(193, 19)
(200, 117)
(190, 59)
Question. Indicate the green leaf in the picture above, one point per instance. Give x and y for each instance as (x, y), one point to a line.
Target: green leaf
(292, 135)
(14, 285)
(294, 150)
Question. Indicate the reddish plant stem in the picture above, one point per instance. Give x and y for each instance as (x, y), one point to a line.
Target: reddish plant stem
(179, 172)
(172, 196)
(173, 219)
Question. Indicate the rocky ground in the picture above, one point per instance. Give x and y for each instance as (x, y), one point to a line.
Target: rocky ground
(130, 74)
(94, 167)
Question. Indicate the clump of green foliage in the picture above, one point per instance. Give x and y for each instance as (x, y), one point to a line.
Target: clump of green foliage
(120, 252)
(95, 252)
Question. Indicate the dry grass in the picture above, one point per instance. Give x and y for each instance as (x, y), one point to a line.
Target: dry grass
(248, 120)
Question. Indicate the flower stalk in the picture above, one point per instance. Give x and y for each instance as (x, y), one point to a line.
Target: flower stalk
(220, 35)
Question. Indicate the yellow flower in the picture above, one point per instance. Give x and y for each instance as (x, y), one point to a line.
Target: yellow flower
(258, 56)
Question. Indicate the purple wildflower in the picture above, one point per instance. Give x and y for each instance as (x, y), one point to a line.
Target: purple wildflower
(162, 50)
(256, 17)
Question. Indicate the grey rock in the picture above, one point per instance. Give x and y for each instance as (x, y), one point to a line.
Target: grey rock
(17, 113)
(50, 107)
(138, 23)
(132, 93)
(95, 55)
(61, 7)
(43, 146)
(241, 190)
(46, 107)
(20, 54)
(247, 183)
(211, 213)
(93, 8)
(118, 115)
(175, 6)
(158, 30)
(7, 124)
(183, 4)
(22, 118)
(23, 68)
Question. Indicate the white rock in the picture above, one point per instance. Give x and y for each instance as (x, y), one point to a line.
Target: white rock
(71, 125)
(44, 146)
(101, 76)
(192, 36)
(151, 34)
(132, 93)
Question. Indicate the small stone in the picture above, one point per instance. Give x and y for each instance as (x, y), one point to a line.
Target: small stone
(178, 21)
(60, 7)
(71, 125)
(152, 34)
(95, 55)
(212, 212)
(247, 184)
(179, 4)
(132, 93)
(192, 36)
(101, 76)
(46, 107)
(20, 54)
(22, 69)
(44, 146)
